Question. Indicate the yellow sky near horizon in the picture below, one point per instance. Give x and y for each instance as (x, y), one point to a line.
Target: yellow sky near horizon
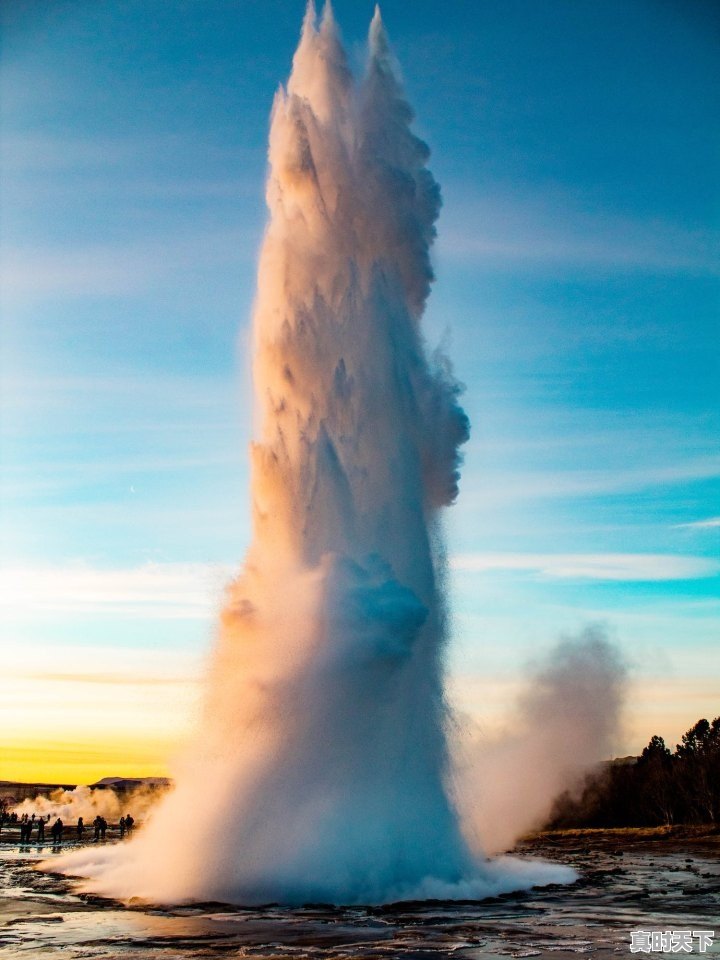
(80, 727)
(83, 715)
(85, 762)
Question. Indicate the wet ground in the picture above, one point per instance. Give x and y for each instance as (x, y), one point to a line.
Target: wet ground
(626, 884)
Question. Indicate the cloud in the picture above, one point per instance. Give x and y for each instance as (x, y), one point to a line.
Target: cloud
(548, 226)
(699, 524)
(193, 591)
(153, 590)
(183, 211)
(32, 274)
(589, 566)
(117, 401)
(104, 679)
(507, 486)
(100, 663)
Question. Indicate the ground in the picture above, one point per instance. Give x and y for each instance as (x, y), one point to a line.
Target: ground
(663, 880)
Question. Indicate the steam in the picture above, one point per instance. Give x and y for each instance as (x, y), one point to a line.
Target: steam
(89, 803)
(565, 721)
(319, 771)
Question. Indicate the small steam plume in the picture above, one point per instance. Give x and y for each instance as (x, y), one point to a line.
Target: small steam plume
(88, 803)
(565, 721)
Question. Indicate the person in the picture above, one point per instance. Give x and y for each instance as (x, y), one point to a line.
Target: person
(57, 831)
(41, 830)
(129, 823)
(122, 827)
(80, 829)
(96, 825)
(103, 827)
(26, 828)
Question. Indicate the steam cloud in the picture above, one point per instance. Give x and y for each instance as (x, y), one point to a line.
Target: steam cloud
(89, 803)
(320, 769)
(566, 720)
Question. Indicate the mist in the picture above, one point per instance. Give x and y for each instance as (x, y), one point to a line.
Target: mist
(88, 803)
(566, 719)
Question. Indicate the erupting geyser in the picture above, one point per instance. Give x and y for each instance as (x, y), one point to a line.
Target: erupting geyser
(320, 769)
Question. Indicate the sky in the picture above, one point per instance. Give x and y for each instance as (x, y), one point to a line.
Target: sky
(577, 260)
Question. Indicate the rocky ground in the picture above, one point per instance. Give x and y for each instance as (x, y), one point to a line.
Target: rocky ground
(629, 880)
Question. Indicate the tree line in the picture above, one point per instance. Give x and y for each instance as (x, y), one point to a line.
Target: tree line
(657, 788)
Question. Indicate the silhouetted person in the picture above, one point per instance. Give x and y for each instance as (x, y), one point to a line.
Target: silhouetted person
(103, 827)
(26, 827)
(121, 824)
(57, 831)
(41, 830)
(80, 829)
(96, 824)
(129, 823)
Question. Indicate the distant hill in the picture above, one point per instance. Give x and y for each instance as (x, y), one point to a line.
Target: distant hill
(14, 791)
(130, 783)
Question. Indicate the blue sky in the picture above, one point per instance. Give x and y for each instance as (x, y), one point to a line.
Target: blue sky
(576, 145)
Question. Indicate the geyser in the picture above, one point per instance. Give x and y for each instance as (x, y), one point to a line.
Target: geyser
(320, 768)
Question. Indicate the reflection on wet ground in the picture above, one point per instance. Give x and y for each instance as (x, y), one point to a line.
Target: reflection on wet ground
(652, 885)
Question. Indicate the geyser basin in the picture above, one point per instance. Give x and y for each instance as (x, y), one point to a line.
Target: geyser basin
(320, 768)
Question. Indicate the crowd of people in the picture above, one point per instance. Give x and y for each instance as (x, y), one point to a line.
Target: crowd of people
(33, 828)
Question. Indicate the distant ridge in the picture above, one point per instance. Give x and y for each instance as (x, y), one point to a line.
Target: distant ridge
(14, 791)
(129, 783)
(17, 790)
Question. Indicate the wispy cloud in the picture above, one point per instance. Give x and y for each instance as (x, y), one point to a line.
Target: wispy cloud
(501, 487)
(153, 590)
(171, 398)
(587, 566)
(548, 226)
(700, 524)
(194, 591)
(37, 273)
(104, 679)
